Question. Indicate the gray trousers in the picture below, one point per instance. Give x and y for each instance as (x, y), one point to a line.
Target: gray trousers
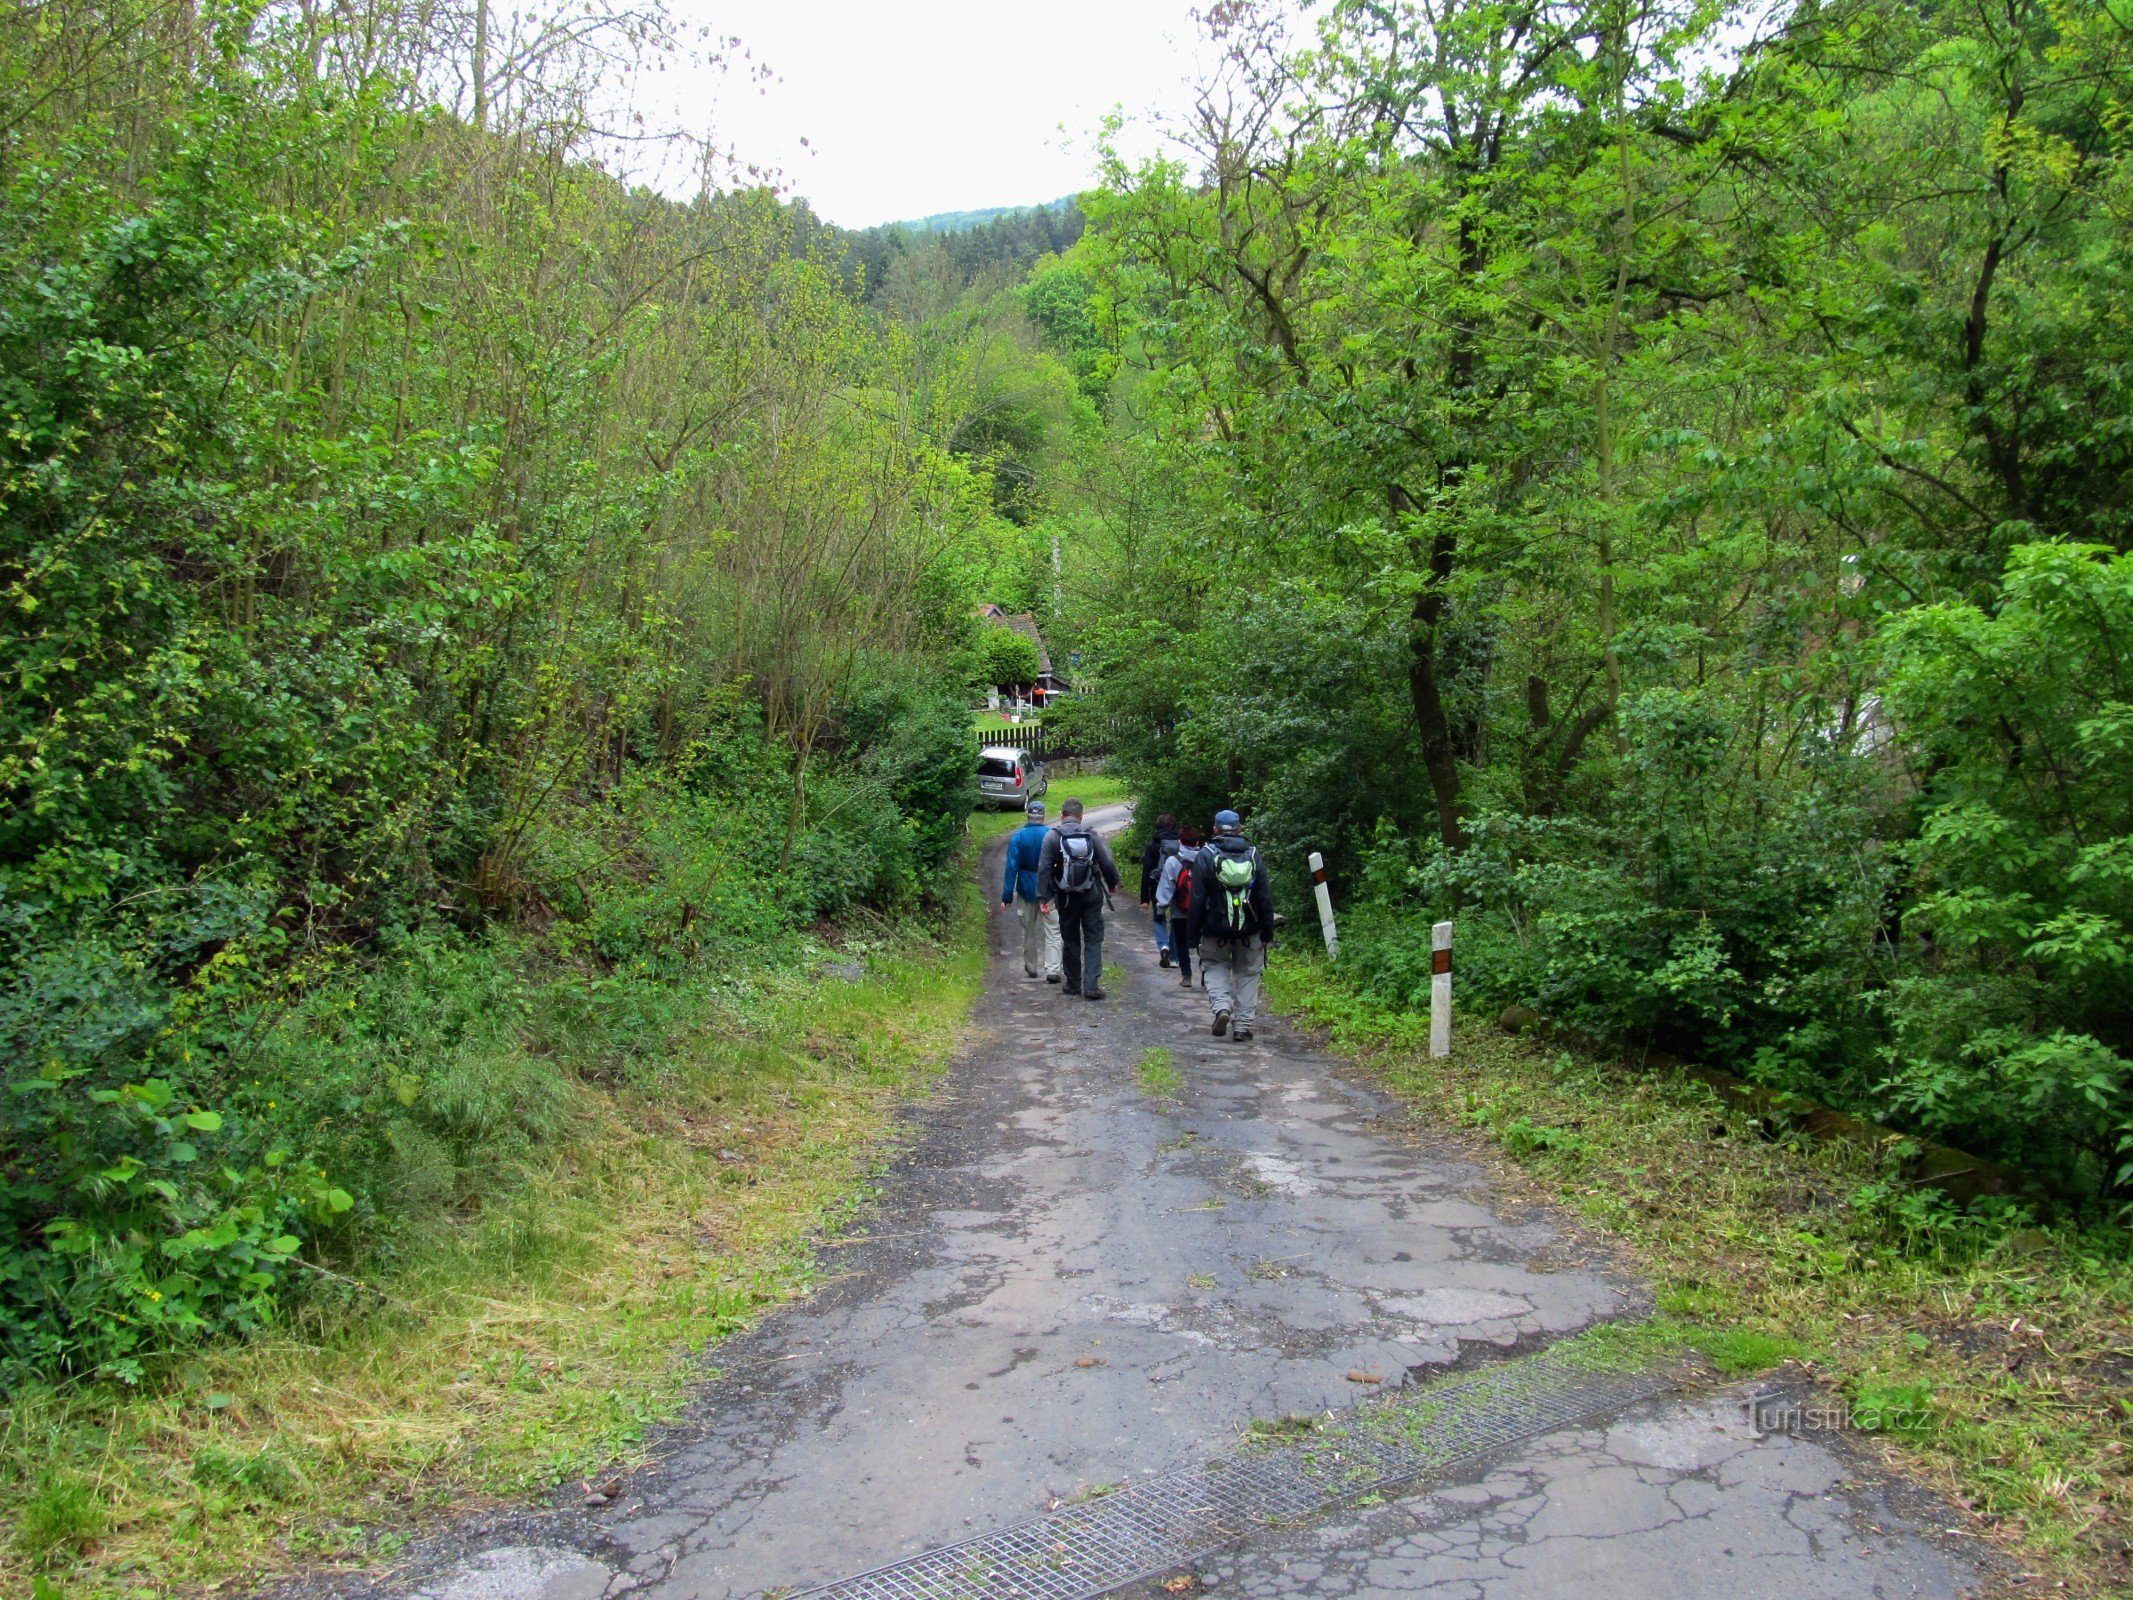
(1231, 972)
(1038, 932)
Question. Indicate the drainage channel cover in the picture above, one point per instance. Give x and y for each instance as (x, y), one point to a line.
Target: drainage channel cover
(1089, 1549)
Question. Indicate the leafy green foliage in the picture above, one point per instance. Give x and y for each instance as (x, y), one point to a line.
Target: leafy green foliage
(1006, 658)
(445, 591)
(1062, 299)
(1571, 468)
(2019, 1017)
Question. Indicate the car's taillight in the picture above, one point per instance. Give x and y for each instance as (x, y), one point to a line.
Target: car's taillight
(1018, 780)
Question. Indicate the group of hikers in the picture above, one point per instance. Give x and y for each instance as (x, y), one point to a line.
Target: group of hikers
(1208, 899)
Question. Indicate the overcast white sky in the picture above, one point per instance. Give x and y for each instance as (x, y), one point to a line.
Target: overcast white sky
(910, 107)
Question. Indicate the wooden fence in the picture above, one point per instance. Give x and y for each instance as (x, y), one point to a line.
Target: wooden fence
(1051, 744)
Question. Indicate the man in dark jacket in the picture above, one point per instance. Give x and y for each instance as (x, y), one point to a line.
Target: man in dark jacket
(1232, 921)
(1160, 849)
(1018, 886)
(1075, 874)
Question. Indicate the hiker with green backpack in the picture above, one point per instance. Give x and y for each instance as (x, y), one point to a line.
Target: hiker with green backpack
(1075, 875)
(1232, 921)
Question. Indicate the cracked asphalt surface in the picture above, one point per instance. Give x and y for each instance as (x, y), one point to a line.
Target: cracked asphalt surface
(1674, 1498)
(1069, 1282)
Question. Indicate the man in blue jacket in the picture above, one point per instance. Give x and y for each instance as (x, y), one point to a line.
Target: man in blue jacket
(1018, 887)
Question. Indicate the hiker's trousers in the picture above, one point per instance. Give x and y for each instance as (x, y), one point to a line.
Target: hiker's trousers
(1232, 975)
(1081, 939)
(1180, 951)
(1040, 940)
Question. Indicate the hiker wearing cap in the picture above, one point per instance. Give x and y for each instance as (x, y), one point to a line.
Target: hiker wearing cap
(1232, 921)
(1075, 875)
(1018, 887)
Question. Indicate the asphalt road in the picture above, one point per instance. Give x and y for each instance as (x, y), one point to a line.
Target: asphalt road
(1071, 1282)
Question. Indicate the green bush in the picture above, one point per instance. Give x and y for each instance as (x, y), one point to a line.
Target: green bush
(1006, 658)
(386, 732)
(178, 1156)
(1754, 925)
(2013, 1027)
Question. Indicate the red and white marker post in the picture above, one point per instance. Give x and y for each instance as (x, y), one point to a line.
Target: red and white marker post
(1325, 904)
(1440, 989)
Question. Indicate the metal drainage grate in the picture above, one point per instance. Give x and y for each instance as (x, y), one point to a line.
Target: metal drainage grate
(1091, 1549)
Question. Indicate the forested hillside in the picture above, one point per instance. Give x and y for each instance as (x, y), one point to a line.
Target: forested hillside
(451, 593)
(1652, 482)
(970, 221)
(996, 248)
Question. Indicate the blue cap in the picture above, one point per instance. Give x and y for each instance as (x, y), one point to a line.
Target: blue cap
(1035, 808)
(1227, 822)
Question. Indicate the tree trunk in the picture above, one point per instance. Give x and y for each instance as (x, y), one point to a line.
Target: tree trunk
(1430, 721)
(481, 64)
(1438, 758)
(1603, 395)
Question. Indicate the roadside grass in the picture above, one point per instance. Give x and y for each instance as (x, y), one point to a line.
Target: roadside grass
(986, 826)
(1095, 789)
(1987, 1352)
(1160, 1078)
(1091, 789)
(532, 1343)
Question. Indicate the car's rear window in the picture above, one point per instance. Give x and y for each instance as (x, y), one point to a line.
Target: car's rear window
(995, 767)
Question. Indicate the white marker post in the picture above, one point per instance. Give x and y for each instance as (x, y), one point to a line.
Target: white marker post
(1440, 989)
(1325, 904)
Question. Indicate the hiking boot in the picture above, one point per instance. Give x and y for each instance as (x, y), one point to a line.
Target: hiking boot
(1185, 982)
(1030, 971)
(1049, 977)
(1221, 1023)
(1165, 961)
(1092, 994)
(1243, 1034)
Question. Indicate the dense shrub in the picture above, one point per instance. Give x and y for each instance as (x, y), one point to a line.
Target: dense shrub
(438, 608)
(1673, 519)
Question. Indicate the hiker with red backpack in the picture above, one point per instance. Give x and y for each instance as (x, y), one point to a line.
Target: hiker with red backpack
(1075, 875)
(1232, 923)
(1173, 899)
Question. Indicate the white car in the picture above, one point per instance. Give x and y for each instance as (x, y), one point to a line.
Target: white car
(1009, 778)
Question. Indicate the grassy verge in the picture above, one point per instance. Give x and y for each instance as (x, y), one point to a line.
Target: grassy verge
(1093, 790)
(1990, 1354)
(535, 1341)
